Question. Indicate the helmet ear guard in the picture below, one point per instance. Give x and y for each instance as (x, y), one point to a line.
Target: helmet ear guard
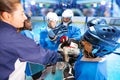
(104, 39)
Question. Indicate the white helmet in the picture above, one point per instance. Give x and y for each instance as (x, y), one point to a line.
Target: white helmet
(68, 13)
(52, 16)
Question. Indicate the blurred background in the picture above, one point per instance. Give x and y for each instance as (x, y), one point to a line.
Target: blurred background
(104, 8)
(84, 10)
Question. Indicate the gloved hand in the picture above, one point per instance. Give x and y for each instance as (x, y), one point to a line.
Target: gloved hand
(65, 41)
(57, 31)
(51, 35)
(69, 48)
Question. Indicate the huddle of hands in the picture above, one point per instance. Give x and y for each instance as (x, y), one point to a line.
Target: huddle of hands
(68, 48)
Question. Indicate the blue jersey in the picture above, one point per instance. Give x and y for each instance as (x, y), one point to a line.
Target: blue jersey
(73, 32)
(46, 42)
(106, 70)
(27, 33)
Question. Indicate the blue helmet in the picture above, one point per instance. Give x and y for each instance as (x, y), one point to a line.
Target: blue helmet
(96, 22)
(104, 39)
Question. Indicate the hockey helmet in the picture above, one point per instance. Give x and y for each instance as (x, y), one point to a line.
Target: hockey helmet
(104, 39)
(51, 16)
